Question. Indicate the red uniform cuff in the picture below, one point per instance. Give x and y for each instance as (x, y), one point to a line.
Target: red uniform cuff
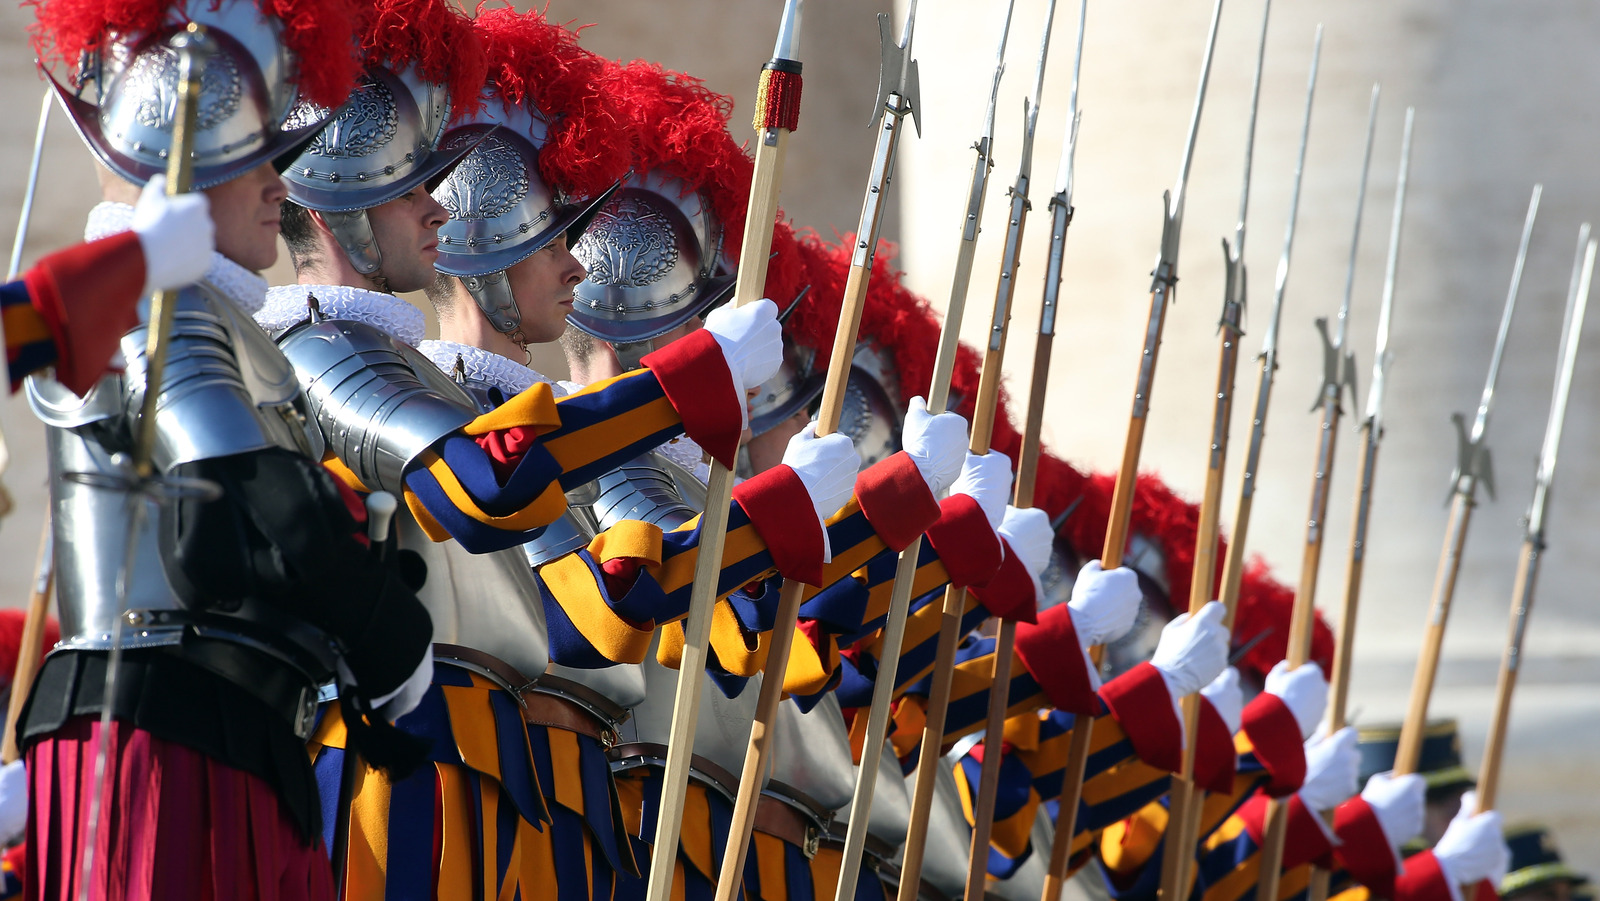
(1364, 848)
(896, 501)
(781, 510)
(1009, 593)
(1422, 880)
(1304, 840)
(88, 296)
(695, 377)
(1049, 649)
(1214, 759)
(966, 544)
(1275, 734)
(1143, 708)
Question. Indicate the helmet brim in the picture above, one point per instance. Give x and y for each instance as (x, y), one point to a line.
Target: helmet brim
(343, 197)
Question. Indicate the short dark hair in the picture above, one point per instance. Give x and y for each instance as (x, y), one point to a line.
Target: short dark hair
(578, 343)
(299, 232)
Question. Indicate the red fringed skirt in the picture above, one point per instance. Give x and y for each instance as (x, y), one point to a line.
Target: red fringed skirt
(175, 825)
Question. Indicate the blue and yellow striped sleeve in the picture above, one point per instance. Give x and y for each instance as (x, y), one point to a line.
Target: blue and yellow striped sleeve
(500, 478)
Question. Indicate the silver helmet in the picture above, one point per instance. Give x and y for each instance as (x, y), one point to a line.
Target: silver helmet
(501, 211)
(654, 258)
(246, 93)
(389, 138)
(871, 415)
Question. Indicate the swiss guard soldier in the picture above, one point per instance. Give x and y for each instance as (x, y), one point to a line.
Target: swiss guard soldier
(240, 601)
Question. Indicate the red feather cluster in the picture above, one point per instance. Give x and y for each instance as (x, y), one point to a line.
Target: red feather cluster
(534, 61)
(434, 35)
(902, 322)
(320, 31)
(679, 127)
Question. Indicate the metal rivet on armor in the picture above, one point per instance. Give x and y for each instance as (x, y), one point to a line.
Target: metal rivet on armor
(388, 170)
(333, 177)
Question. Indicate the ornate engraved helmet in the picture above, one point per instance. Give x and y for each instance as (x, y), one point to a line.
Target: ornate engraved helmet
(501, 211)
(389, 138)
(248, 88)
(654, 255)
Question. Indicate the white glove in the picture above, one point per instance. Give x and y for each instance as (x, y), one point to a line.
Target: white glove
(1474, 847)
(13, 802)
(1227, 698)
(1333, 770)
(1192, 650)
(1398, 803)
(1303, 690)
(937, 444)
(1028, 532)
(827, 467)
(405, 699)
(752, 342)
(1104, 604)
(176, 235)
(987, 480)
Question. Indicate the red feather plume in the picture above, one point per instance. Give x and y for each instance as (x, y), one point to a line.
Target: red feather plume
(534, 61)
(436, 37)
(322, 31)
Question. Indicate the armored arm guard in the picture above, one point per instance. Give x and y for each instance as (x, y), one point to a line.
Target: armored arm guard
(373, 407)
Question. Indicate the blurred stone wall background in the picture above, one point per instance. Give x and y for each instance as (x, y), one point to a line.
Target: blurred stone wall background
(1501, 92)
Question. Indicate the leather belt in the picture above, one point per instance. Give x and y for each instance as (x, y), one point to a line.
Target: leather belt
(282, 688)
(702, 769)
(558, 705)
(880, 852)
(782, 820)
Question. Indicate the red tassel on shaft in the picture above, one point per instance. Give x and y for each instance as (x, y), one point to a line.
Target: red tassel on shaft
(778, 100)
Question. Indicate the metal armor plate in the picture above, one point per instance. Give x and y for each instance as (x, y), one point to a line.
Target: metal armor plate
(724, 727)
(944, 860)
(890, 818)
(228, 390)
(812, 752)
(487, 602)
(369, 397)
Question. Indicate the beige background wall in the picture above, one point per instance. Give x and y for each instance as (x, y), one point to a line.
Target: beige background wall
(1501, 92)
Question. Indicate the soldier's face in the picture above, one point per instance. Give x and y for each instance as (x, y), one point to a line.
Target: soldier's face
(407, 231)
(245, 212)
(542, 286)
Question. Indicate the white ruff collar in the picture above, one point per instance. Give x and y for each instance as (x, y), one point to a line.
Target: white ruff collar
(286, 306)
(511, 377)
(245, 288)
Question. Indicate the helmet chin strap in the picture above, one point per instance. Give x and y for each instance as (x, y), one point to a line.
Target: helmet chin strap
(492, 292)
(353, 231)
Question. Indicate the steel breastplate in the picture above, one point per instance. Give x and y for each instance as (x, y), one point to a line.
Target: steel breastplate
(944, 862)
(723, 731)
(227, 390)
(651, 489)
(623, 685)
(890, 817)
(91, 533)
(378, 401)
(487, 602)
(812, 752)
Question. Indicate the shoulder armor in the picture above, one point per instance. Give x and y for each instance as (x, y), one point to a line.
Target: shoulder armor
(227, 390)
(377, 401)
